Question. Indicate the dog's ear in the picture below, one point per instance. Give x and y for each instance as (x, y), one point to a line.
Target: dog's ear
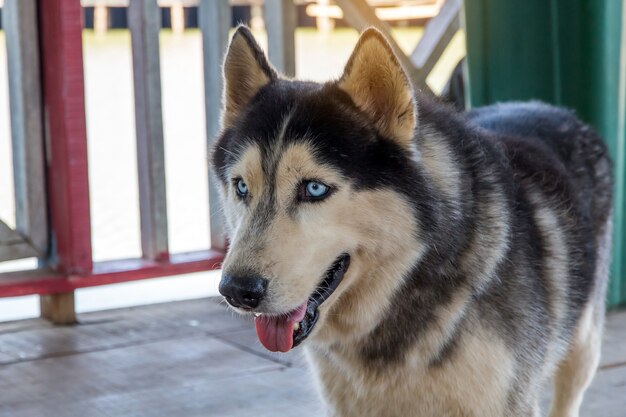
(246, 70)
(378, 85)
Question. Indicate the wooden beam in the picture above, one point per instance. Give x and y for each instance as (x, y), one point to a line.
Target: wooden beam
(46, 281)
(214, 18)
(280, 23)
(145, 23)
(66, 134)
(26, 122)
(17, 250)
(58, 308)
(7, 235)
(13, 245)
(66, 139)
(438, 33)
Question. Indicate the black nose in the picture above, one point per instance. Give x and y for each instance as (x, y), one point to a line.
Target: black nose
(243, 292)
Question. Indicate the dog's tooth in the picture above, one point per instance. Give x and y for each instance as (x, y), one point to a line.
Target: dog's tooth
(296, 326)
(257, 314)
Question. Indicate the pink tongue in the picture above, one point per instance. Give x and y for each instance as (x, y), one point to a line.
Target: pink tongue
(276, 333)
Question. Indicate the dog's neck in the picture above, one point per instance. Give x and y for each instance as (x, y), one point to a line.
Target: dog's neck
(352, 318)
(423, 295)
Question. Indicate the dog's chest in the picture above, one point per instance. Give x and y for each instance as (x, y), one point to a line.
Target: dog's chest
(469, 384)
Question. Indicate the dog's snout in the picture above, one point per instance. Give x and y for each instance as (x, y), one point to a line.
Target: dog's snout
(243, 292)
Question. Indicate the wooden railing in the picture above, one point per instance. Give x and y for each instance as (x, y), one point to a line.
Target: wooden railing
(49, 138)
(48, 113)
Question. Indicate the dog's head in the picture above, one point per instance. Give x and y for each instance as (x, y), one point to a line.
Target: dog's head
(317, 185)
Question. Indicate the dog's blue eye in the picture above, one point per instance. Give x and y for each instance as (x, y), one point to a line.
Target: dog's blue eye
(316, 190)
(242, 188)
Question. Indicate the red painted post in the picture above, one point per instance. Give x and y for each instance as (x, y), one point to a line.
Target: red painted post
(66, 134)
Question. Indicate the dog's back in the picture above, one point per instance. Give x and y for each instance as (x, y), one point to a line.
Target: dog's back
(554, 153)
(562, 167)
(582, 153)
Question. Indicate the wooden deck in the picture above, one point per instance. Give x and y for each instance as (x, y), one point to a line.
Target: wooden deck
(191, 358)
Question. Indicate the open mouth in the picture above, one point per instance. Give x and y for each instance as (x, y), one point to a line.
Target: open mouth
(282, 333)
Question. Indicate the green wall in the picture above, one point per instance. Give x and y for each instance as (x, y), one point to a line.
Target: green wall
(567, 52)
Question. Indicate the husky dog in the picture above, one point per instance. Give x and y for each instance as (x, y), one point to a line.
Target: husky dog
(433, 263)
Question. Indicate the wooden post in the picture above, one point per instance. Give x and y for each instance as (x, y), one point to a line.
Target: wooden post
(145, 24)
(214, 18)
(256, 17)
(26, 123)
(324, 22)
(66, 137)
(177, 13)
(280, 22)
(100, 18)
(58, 308)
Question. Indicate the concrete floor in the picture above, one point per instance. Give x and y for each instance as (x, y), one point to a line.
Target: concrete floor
(191, 358)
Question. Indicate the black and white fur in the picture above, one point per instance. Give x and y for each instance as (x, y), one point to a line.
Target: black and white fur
(480, 241)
